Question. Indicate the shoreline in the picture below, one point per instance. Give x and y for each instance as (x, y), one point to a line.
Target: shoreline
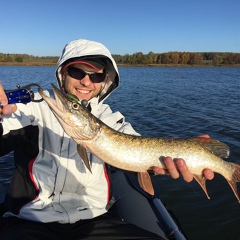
(45, 64)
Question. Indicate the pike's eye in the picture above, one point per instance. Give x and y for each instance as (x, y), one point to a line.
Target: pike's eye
(75, 106)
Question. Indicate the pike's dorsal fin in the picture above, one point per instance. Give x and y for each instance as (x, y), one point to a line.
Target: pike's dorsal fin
(145, 182)
(218, 148)
(83, 154)
(202, 182)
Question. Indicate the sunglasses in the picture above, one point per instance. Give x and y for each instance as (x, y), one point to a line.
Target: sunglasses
(79, 74)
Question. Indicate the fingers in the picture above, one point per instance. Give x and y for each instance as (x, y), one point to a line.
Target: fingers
(171, 167)
(175, 169)
(208, 174)
(158, 170)
(3, 97)
(5, 109)
(8, 109)
(178, 167)
(205, 136)
(183, 169)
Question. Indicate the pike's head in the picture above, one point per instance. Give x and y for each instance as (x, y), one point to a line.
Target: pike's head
(76, 121)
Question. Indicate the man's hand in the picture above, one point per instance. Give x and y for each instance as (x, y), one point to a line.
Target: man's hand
(175, 168)
(5, 108)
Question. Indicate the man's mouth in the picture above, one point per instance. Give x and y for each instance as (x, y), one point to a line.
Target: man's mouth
(83, 91)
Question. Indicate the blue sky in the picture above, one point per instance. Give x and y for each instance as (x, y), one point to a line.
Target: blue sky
(42, 28)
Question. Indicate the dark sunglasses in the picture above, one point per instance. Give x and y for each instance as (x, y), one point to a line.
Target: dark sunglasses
(79, 74)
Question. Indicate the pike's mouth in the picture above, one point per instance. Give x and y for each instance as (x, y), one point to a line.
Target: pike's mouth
(56, 104)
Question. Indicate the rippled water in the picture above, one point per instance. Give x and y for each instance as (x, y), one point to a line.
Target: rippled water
(173, 102)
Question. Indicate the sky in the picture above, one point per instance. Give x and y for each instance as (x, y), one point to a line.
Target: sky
(43, 28)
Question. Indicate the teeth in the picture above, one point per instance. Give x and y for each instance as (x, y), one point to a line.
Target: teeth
(83, 91)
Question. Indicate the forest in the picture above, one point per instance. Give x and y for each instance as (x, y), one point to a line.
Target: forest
(150, 59)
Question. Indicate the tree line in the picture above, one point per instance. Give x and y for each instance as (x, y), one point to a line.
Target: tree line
(180, 58)
(26, 59)
(169, 58)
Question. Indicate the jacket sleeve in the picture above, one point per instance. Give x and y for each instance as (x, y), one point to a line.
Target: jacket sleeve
(13, 130)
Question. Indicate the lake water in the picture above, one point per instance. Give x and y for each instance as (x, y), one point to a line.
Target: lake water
(172, 102)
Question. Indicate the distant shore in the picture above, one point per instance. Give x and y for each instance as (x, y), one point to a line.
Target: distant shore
(122, 65)
(27, 64)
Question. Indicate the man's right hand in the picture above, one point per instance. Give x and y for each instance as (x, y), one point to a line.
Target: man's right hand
(5, 108)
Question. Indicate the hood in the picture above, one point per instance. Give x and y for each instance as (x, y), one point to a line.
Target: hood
(82, 48)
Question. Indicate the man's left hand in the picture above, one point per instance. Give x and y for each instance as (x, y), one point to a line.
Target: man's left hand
(175, 168)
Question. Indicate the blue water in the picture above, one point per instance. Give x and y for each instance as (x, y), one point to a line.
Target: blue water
(172, 102)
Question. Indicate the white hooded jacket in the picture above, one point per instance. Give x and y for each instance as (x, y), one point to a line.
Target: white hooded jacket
(51, 182)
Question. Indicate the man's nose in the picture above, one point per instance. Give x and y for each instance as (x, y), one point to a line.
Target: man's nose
(86, 81)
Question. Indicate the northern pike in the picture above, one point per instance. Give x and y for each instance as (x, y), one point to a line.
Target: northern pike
(136, 153)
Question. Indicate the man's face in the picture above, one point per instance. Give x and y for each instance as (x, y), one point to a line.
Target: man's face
(84, 89)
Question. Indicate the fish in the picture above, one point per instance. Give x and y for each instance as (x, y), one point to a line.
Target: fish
(137, 153)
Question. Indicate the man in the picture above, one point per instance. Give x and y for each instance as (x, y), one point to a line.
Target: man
(52, 194)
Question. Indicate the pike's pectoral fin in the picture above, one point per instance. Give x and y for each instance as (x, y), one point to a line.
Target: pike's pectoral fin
(83, 154)
(145, 182)
(202, 182)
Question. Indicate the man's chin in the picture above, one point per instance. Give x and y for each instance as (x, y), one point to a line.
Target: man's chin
(84, 96)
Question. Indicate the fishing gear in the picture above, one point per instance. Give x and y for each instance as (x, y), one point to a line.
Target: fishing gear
(23, 94)
(83, 103)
